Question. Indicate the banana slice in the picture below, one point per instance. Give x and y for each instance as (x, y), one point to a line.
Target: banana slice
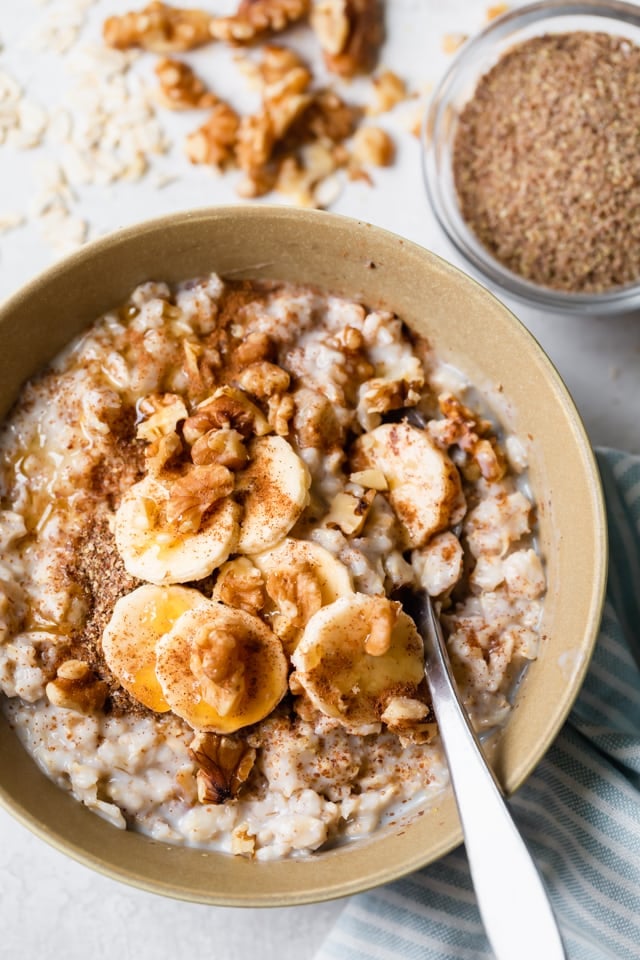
(221, 669)
(424, 485)
(129, 639)
(300, 577)
(355, 657)
(156, 550)
(274, 490)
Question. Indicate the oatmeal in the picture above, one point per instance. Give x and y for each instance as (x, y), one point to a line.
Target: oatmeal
(213, 504)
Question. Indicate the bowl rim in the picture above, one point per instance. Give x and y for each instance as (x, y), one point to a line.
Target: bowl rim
(476, 257)
(340, 887)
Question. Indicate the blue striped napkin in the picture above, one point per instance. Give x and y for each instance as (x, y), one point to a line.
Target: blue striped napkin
(579, 811)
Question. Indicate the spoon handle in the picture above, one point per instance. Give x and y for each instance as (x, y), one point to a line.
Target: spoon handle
(514, 906)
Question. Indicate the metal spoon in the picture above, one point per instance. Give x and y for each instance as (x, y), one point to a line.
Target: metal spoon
(514, 906)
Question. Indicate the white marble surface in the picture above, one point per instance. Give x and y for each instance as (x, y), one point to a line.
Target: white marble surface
(51, 906)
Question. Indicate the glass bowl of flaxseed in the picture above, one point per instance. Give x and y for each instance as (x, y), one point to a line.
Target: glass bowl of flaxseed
(531, 155)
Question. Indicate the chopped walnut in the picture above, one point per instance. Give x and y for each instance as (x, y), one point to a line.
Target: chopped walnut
(331, 24)
(299, 178)
(163, 413)
(372, 479)
(277, 62)
(257, 346)
(214, 142)
(224, 446)
(77, 688)
(372, 145)
(287, 100)
(388, 90)
(327, 117)
(473, 435)
(180, 88)
(195, 493)
(380, 395)
(280, 412)
(349, 513)
(385, 616)
(255, 17)
(284, 101)
(224, 765)
(297, 595)
(409, 719)
(159, 28)
(351, 35)
(239, 584)
(230, 408)
(264, 379)
(243, 843)
(255, 141)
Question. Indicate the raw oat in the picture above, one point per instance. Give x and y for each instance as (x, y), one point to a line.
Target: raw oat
(547, 161)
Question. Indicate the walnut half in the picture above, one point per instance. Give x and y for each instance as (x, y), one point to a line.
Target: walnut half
(224, 765)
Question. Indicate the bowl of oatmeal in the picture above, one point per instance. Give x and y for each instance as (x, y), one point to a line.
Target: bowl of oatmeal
(215, 501)
(517, 169)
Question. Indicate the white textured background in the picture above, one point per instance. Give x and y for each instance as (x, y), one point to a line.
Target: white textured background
(51, 907)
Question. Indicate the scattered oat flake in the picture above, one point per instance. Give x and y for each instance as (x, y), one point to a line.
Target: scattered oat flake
(9, 221)
(453, 41)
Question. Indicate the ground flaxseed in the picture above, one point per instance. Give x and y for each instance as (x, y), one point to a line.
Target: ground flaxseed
(546, 161)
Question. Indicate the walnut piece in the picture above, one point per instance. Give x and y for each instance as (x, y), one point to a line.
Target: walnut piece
(327, 117)
(77, 688)
(264, 379)
(224, 765)
(472, 434)
(224, 446)
(257, 346)
(351, 36)
(388, 90)
(280, 412)
(276, 63)
(372, 145)
(230, 408)
(196, 492)
(379, 395)
(410, 720)
(255, 17)
(180, 88)
(163, 412)
(349, 513)
(214, 142)
(159, 28)
(239, 584)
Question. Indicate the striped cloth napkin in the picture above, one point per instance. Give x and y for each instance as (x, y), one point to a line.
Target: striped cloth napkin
(579, 811)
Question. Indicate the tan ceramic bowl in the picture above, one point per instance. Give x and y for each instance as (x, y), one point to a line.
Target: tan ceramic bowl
(469, 328)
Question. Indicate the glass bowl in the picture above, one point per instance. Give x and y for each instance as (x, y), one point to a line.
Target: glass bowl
(457, 87)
